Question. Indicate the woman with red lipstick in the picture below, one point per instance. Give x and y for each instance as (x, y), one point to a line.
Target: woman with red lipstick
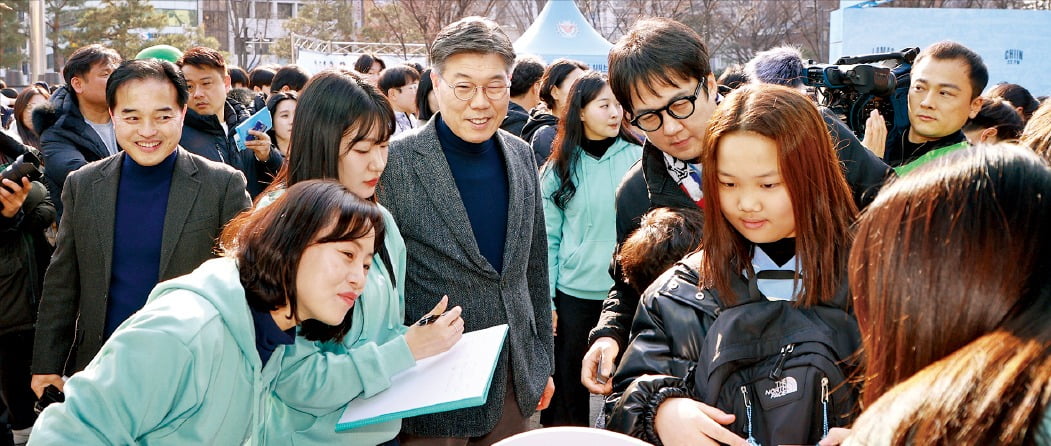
(776, 234)
(342, 127)
(591, 153)
(203, 360)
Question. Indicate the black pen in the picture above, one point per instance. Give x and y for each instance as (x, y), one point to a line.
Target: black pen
(430, 319)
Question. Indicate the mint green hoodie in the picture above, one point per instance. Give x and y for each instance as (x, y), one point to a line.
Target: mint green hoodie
(182, 370)
(307, 408)
(581, 238)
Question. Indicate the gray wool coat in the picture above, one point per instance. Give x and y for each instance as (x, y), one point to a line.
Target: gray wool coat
(443, 258)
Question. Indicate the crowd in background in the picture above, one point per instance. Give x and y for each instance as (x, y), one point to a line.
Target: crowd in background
(724, 260)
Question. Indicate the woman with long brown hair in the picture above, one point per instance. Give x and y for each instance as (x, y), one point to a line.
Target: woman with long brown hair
(777, 219)
(28, 100)
(949, 276)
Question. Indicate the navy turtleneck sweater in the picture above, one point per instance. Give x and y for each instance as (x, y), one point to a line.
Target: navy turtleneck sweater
(268, 336)
(142, 202)
(481, 178)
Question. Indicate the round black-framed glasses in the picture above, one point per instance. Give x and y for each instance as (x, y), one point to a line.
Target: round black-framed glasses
(679, 108)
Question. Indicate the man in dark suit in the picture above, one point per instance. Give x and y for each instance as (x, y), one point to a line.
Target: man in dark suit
(466, 197)
(147, 214)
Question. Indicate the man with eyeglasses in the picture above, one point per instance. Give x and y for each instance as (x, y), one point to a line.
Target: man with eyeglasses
(399, 84)
(466, 198)
(659, 72)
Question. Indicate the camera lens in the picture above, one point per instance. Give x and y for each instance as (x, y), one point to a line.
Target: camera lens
(26, 165)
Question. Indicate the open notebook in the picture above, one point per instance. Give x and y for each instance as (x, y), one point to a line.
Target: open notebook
(455, 379)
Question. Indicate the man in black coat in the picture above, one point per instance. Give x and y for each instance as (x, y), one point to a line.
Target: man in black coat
(211, 119)
(525, 93)
(75, 128)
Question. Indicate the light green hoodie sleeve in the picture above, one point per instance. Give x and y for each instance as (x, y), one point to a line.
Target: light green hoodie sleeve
(118, 399)
(553, 218)
(317, 382)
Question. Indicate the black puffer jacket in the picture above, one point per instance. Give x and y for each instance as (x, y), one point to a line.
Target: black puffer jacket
(645, 186)
(539, 131)
(66, 140)
(516, 119)
(668, 334)
(202, 135)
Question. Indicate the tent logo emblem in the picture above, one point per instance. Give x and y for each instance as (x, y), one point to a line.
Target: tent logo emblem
(567, 29)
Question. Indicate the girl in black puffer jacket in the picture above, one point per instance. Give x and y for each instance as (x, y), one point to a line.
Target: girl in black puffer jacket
(777, 227)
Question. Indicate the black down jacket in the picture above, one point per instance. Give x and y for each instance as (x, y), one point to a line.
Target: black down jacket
(668, 334)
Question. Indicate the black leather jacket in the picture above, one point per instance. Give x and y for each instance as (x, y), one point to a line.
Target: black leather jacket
(667, 335)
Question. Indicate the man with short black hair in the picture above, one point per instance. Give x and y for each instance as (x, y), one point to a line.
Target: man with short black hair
(466, 198)
(75, 128)
(525, 93)
(289, 78)
(399, 84)
(212, 118)
(150, 213)
(947, 81)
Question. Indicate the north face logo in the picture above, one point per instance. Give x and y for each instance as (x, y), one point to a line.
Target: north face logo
(783, 387)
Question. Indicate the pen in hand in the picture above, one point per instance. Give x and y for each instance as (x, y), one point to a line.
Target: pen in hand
(430, 319)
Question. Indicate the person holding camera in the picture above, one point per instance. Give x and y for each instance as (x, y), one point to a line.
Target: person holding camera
(25, 212)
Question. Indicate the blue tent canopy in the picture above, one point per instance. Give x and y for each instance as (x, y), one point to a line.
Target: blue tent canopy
(561, 31)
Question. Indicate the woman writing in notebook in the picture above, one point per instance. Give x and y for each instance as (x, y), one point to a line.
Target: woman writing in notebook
(342, 127)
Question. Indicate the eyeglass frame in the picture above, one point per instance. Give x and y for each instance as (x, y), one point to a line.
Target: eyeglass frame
(667, 108)
(474, 91)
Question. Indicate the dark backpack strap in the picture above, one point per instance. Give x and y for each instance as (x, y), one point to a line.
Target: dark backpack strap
(776, 274)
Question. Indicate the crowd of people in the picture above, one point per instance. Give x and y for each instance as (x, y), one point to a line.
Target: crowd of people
(724, 261)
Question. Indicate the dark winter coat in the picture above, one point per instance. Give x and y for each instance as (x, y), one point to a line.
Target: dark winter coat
(66, 140)
(516, 119)
(539, 131)
(668, 334)
(204, 136)
(24, 255)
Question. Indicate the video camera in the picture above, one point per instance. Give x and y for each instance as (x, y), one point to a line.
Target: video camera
(854, 86)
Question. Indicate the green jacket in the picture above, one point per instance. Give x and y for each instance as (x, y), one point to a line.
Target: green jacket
(581, 238)
(374, 350)
(183, 370)
(902, 170)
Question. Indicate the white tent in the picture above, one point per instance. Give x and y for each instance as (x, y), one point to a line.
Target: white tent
(561, 31)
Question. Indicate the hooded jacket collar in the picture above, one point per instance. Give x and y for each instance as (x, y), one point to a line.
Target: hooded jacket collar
(218, 281)
(63, 111)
